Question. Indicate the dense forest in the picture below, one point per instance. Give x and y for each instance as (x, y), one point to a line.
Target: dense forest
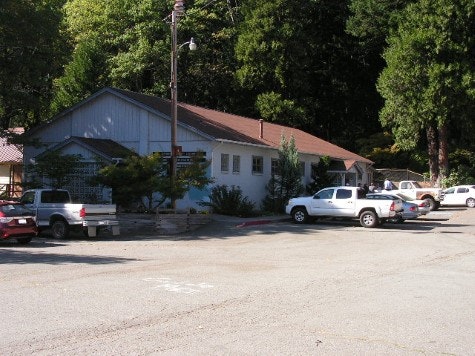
(393, 80)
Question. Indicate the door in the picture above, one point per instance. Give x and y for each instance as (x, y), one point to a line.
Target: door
(449, 197)
(344, 202)
(322, 202)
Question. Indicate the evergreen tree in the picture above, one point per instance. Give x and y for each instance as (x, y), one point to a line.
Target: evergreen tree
(287, 181)
(428, 84)
(320, 177)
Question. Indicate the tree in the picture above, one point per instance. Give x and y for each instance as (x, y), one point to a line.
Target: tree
(428, 84)
(141, 176)
(54, 169)
(84, 74)
(31, 53)
(286, 182)
(303, 70)
(135, 53)
(320, 177)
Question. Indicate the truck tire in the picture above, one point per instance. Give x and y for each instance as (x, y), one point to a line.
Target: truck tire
(60, 229)
(433, 205)
(299, 215)
(369, 218)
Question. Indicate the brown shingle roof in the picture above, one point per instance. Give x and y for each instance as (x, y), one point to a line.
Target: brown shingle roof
(106, 147)
(9, 153)
(224, 126)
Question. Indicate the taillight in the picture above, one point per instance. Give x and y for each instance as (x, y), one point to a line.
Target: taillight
(82, 213)
(413, 208)
(4, 219)
(391, 208)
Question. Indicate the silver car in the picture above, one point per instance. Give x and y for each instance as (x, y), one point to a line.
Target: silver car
(411, 208)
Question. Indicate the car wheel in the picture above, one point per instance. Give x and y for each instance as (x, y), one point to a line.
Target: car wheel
(300, 215)
(368, 219)
(24, 240)
(471, 203)
(60, 229)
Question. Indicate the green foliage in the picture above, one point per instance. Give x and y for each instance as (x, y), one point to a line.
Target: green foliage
(142, 176)
(459, 176)
(430, 75)
(133, 179)
(286, 183)
(31, 51)
(53, 168)
(273, 107)
(320, 177)
(84, 74)
(381, 149)
(193, 175)
(303, 70)
(229, 201)
(463, 168)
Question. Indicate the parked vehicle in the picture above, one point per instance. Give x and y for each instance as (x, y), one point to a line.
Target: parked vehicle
(460, 195)
(410, 209)
(414, 190)
(17, 222)
(346, 202)
(422, 205)
(54, 210)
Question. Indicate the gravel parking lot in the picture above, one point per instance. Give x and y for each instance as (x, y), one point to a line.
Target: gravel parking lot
(246, 287)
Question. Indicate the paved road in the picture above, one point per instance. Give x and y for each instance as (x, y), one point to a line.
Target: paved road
(330, 288)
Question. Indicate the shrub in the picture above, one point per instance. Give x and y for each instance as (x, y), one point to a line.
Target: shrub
(229, 201)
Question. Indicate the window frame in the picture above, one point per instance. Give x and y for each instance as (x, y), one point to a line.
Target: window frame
(236, 164)
(257, 167)
(224, 162)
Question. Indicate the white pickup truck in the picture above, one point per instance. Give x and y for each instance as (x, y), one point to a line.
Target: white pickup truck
(346, 202)
(54, 210)
(413, 189)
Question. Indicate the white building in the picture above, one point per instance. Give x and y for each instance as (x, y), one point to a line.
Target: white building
(112, 122)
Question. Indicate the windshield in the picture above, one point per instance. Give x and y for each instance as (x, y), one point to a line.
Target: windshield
(416, 185)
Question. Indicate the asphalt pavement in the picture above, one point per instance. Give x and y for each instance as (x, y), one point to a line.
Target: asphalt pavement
(256, 286)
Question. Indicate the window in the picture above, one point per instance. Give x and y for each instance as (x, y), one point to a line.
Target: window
(343, 194)
(224, 162)
(324, 194)
(257, 164)
(55, 196)
(302, 169)
(274, 167)
(236, 164)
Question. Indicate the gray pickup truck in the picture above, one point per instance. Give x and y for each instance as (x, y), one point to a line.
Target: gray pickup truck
(54, 210)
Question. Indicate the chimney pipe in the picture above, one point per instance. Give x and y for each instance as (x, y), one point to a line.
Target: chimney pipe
(261, 128)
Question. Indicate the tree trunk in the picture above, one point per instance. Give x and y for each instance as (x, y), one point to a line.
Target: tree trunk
(443, 153)
(433, 151)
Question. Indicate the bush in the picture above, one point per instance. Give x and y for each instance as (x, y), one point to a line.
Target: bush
(227, 201)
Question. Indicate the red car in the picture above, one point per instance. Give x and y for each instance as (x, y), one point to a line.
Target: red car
(17, 222)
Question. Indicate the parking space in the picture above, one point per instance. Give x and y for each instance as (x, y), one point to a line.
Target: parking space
(273, 287)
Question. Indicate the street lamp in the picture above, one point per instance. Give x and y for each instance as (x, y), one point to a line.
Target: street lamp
(178, 10)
